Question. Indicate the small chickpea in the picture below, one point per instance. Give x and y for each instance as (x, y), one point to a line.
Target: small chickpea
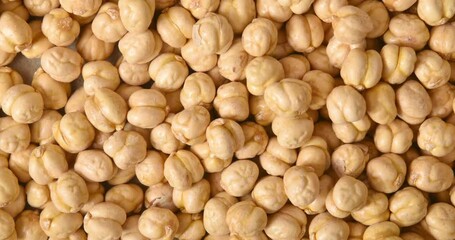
(16, 34)
(288, 223)
(350, 159)
(395, 137)
(140, 47)
(269, 194)
(158, 223)
(73, 132)
(168, 71)
(46, 163)
(238, 13)
(233, 63)
(126, 148)
(435, 13)
(37, 195)
(23, 103)
(432, 70)
(200, 8)
(224, 137)
(441, 40)
(337, 51)
(380, 101)
(160, 195)
(436, 137)
(193, 199)
(304, 32)
(57, 224)
(99, 74)
(288, 97)
(386, 173)
(60, 28)
(375, 210)
(175, 26)
(133, 74)
(104, 220)
(408, 206)
(260, 28)
(256, 141)
(245, 219)
(301, 185)
(379, 17)
(136, 15)
(440, 220)
(295, 66)
(69, 193)
(19, 163)
(351, 24)
(107, 25)
(407, 30)
(325, 226)
(148, 108)
(62, 64)
(213, 33)
(345, 104)
(27, 226)
(131, 229)
(321, 85)
(262, 72)
(94, 165)
(182, 169)
(382, 230)
(8, 78)
(198, 90)
(429, 174)
(239, 178)
(277, 159)
(15, 136)
(10, 188)
(127, 196)
(273, 10)
(326, 9)
(263, 115)
(189, 125)
(293, 132)
(76, 101)
(40, 43)
(362, 69)
(413, 102)
(55, 94)
(398, 63)
(398, 6)
(40, 8)
(8, 227)
(196, 58)
(150, 170)
(231, 101)
(215, 213)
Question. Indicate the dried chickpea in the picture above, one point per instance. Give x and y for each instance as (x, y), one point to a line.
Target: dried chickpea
(131, 229)
(148, 108)
(407, 30)
(321, 85)
(350, 159)
(175, 26)
(8, 78)
(17, 205)
(362, 69)
(411, 236)
(356, 230)
(263, 29)
(288, 223)
(398, 63)
(189, 125)
(215, 213)
(168, 71)
(193, 199)
(314, 154)
(69, 192)
(126, 90)
(198, 90)
(224, 137)
(150, 170)
(442, 100)
(348, 194)
(293, 132)
(40, 43)
(127, 196)
(37, 195)
(382, 230)
(380, 101)
(19, 161)
(429, 174)
(413, 102)
(196, 58)
(94, 165)
(200, 8)
(16, 34)
(238, 13)
(136, 15)
(435, 13)
(23, 103)
(231, 101)
(395, 137)
(55, 94)
(256, 141)
(378, 15)
(140, 47)
(325, 226)
(107, 25)
(337, 51)
(277, 159)
(133, 74)
(408, 206)
(190, 226)
(375, 210)
(440, 40)
(96, 195)
(239, 178)
(269, 194)
(295, 66)
(273, 10)
(432, 70)
(301, 185)
(46, 163)
(386, 173)
(398, 6)
(182, 169)
(59, 28)
(104, 221)
(40, 7)
(62, 64)
(304, 32)
(326, 9)
(10, 188)
(282, 48)
(288, 97)
(245, 219)
(57, 224)
(73, 132)
(126, 148)
(75, 102)
(99, 74)
(6, 58)
(233, 63)
(263, 115)
(85, 8)
(8, 227)
(435, 137)
(158, 223)
(213, 33)
(162, 138)
(122, 176)
(27, 226)
(440, 220)
(160, 195)
(351, 24)
(262, 72)
(15, 136)
(345, 104)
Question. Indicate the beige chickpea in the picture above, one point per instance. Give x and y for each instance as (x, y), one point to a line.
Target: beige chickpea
(196, 58)
(158, 223)
(314, 154)
(75, 102)
(350, 159)
(269, 194)
(148, 108)
(182, 169)
(198, 90)
(378, 15)
(140, 47)
(432, 70)
(260, 28)
(288, 223)
(362, 69)
(435, 137)
(133, 74)
(94, 165)
(304, 32)
(77, 235)
(395, 137)
(413, 102)
(215, 213)
(295, 66)
(301, 185)
(224, 137)
(190, 226)
(245, 219)
(442, 99)
(104, 220)
(345, 104)
(106, 110)
(239, 178)
(213, 33)
(136, 15)
(326, 9)
(8, 78)
(386, 173)
(256, 141)
(398, 6)
(263, 115)
(150, 170)
(193, 199)
(398, 63)
(375, 210)
(40, 7)
(127, 196)
(429, 174)
(262, 72)
(408, 206)
(293, 132)
(69, 193)
(238, 13)
(107, 25)
(297, 6)
(16, 7)
(168, 71)
(6, 58)
(57, 224)
(126, 90)
(60, 28)
(325, 226)
(40, 43)
(55, 94)
(17, 205)
(321, 85)
(200, 8)
(27, 226)
(37, 195)
(160, 195)
(382, 230)
(162, 138)
(214, 180)
(96, 195)
(19, 162)
(122, 176)
(231, 101)
(337, 51)
(83, 9)
(440, 40)
(273, 10)
(435, 13)
(277, 159)
(175, 26)
(282, 48)
(16, 34)
(8, 227)
(73, 132)
(189, 125)
(288, 97)
(131, 229)
(380, 101)
(440, 220)
(411, 236)
(23, 103)
(356, 230)
(407, 30)
(351, 24)
(10, 188)
(47, 162)
(126, 148)
(62, 64)
(16, 136)
(99, 74)
(348, 194)
(233, 63)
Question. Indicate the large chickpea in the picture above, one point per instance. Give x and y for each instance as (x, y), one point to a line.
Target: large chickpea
(301, 185)
(350, 159)
(57, 224)
(304, 32)
(398, 6)
(19, 163)
(431, 69)
(55, 94)
(260, 28)
(40, 7)
(60, 28)
(73, 132)
(215, 213)
(362, 69)
(69, 193)
(239, 178)
(46, 163)
(15, 136)
(375, 210)
(99, 74)
(232, 63)
(40, 43)
(288, 97)
(231, 101)
(325, 226)
(213, 33)
(382, 230)
(175, 26)
(288, 223)
(273, 10)
(148, 108)
(158, 223)
(435, 13)
(200, 8)
(314, 154)
(106, 110)
(133, 74)
(351, 24)
(380, 102)
(23, 103)
(261, 72)
(37, 195)
(413, 102)
(107, 25)
(76, 101)
(126, 148)
(398, 63)
(321, 85)
(337, 51)
(224, 137)
(263, 115)
(27, 226)
(140, 47)
(196, 58)
(440, 40)
(190, 124)
(345, 104)
(269, 194)
(94, 165)
(16, 34)
(182, 169)
(238, 13)
(168, 71)
(136, 15)
(295, 66)
(407, 30)
(436, 137)
(408, 206)
(193, 199)
(441, 220)
(198, 90)
(104, 220)
(10, 189)
(62, 64)
(277, 159)
(386, 173)
(127, 196)
(293, 132)
(395, 137)
(429, 174)
(245, 219)
(348, 194)
(150, 171)
(8, 227)
(160, 195)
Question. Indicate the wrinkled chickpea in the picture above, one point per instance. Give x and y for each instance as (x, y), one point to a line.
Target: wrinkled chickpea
(442, 100)
(57, 224)
(245, 219)
(148, 108)
(321, 85)
(8, 78)
(239, 178)
(175, 26)
(136, 15)
(386, 173)
(436, 136)
(55, 94)
(94, 165)
(288, 223)
(69, 193)
(232, 63)
(345, 104)
(73, 132)
(429, 174)
(107, 25)
(168, 71)
(104, 220)
(99, 74)
(213, 33)
(435, 13)
(215, 213)
(362, 69)
(62, 64)
(431, 69)
(260, 28)
(40, 7)
(238, 13)
(256, 140)
(193, 199)
(407, 30)
(398, 63)
(277, 159)
(380, 102)
(182, 169)
(23, 103)
(262, 72)
(160, 195)
(269, 194)
(375, 210)
(273, 10)
(295, 66)
(351, 24)
(59, 28)
(413, 102)
(337, 51)
(83, 8)
(19, 162)
(347, 195)
(314, 154)
(325, 226)
(350, 159)
(189, 125)
(224, 137)
(301, 185)
(10, 188)
(39, 44)
(16, 136)
(395, 137)
(382, 230)
(126, 148)
(46, 163)
(440, 220)
(27, 226)
(304, 32)
(196, 58)
(326, 9)
(127, 196)
(293, 132)
(408, 206)
(133, 74)
(162, 138)
(263, 115)
(231, 101)
(440, 40)
(288, 97)
(198, 90)
(16, 34)
(158, 223)
(37, 195)
(140, 47)
(150, 170)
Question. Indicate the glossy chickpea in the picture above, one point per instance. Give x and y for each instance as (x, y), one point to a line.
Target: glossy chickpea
(232, 63)
(239, 178)
(55, 94)
(40, 43)
(168, 71)
(326, 9)
(245, 219)
(325, 226)
(175, 26)
(380, 102)
(107, 25)
(273, 10)
(231, 101)
(224, 137)
(301, 185)
(73, 132)
(238, 13)
(148, 108)
(182, 169)
(398, 63)
(260, 28)
(350, 159)
(362, 69)
(215, 213)
(23, 103)
(105, 219)
(288, 223)
(189, 125)
(99, 74)
(408, 206)
(159, 195)
(413, 102)
(140, 47)
(57, 224)
(37, 195)
(395, 137)
(62, 64)
(432, 70)
(213, 33)
(386, 173)
(193, 199)
(60, 28)
(200, 8)
(375, 210)
(382, 230)
(69, 192)
(304, 32)
(345, 104)
(46, 163)
(136, 15)
(277, 159)
(429, 174)
(126, 148)
(158, 223)
(16, 34)
(407, 30)
(262, 72)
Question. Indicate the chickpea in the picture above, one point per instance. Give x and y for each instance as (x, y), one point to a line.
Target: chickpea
(288, 97)
(224, 137)
(379, 17)
(304, 32)
(395, 137)
(398, 6)
(337, 51)
(57, 224)
(46, 163)
(107, 25)
(8, 226)
(413, 102)
(127, 196)
(104, 220)
(19, 161)
(232, 63)
(10, 188)
(62, 64)
(314, 154)
(133, 74)
(83, 9)
(182, 169)
(256, 140)
(407, 30)
(158, 223)
(55, 94)
(163, 139)
(398, 63)
(282, 48)
(348, 194)
(23, 103)
(231, 101)
(362, 69)
(269, 194)
(273, 10)
(16, 34)
(429, 174)
(382, 230)
(189, 125)
(16, 7)
(99, 74)
(260, 28)
(193, 199)
(126, 148)
(435, 137)
(148, 108)
(76, 101)
(60, 28)
(386, 173)
(94, 165)
(262, 72)
(196, 58)
(239, 178)
(17, 205)
(432, 70)
(8, 78)
(131, 229)
(288, 223)
(345, 104)
(350, 159)
(27, 226)
(200, 8)
(293, 132)
(435, 13)
(215, 213)
(73, 132)
(122, 176)
(321, 85)
(175, 26)
(325, 226)
(442, 99)
(440, 40)
(6, 58)
(213, 33)
(152, 163)
(277, 159)
(168, 71)
(408, 207)
(40, 43)
(380, 101)
(162, 4)
(140, 47)
(190, 226)
(136, 15)
(356, 230)
(16, 136)
(37, 195)
(295, 66)
(352, 20)
(198, 90)
(245, 219)
(263, 115)
(238, 13)
(440, 219)
(160, 195)
(96, 195)
(326, 9)
(69, 193)
(40, 7)
(375, 210)
(301, 185)
(411, 235)
(126, 90)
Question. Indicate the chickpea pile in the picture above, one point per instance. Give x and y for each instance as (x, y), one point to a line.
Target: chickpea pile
(227, 119)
